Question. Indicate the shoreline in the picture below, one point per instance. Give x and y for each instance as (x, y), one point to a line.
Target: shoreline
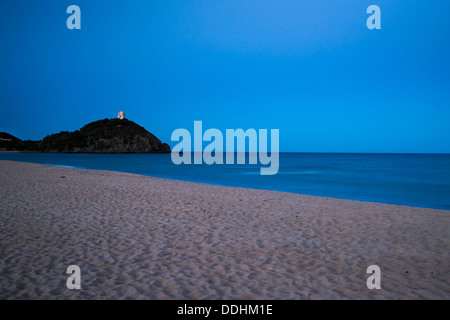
(223, 185)
(246, 188)
(140, 237)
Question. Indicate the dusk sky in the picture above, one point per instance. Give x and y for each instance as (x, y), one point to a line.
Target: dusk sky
(311, 69)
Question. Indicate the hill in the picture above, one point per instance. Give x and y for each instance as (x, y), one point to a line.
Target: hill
(102, 136)
(8, 141)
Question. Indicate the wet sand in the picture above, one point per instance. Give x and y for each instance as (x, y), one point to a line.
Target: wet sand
(138, 237)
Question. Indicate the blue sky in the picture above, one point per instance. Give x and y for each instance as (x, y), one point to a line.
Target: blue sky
(311, 69)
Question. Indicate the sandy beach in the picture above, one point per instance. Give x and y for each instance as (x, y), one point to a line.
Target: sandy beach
(138, 237)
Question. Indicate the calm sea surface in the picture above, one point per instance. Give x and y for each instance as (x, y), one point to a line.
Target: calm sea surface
(421, 180)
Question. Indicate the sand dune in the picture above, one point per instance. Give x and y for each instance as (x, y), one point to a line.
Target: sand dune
(137, 237)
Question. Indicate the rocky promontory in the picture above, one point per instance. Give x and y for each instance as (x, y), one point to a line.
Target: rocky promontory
(102, 136)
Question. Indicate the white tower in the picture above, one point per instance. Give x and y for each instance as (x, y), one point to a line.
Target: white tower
(121, 115)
